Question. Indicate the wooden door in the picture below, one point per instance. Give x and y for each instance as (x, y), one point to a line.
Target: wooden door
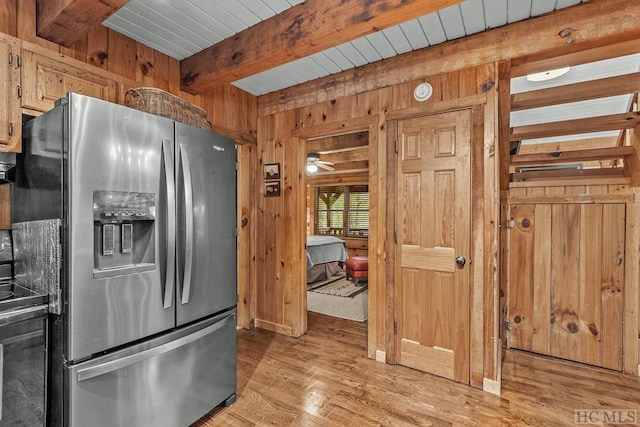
(433, 229)
(566, 281)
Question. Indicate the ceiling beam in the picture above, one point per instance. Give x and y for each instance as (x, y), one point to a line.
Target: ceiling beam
(571, 156)
(619, 85)
(300, 31)
(612, 27)
(576, 126)
(64, 22)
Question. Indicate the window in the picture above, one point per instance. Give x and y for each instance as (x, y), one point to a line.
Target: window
(342, 210)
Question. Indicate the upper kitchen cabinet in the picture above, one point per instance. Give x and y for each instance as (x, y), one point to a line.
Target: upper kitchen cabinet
(47, 77)
(10, 115)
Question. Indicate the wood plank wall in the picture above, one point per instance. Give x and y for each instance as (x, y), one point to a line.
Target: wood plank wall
(282, 220)
(231, 111)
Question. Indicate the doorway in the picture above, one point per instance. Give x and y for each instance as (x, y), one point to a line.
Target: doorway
(337, 218)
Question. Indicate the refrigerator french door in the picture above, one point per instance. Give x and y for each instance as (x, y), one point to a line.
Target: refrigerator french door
(148, 209)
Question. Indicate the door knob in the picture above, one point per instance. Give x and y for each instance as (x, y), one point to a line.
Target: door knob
(461, 261)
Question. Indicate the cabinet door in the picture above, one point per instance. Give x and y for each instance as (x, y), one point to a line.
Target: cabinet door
(10, 117)
(45, 79)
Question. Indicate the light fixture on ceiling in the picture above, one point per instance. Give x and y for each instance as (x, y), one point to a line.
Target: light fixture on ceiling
(547, 75)
(312, 168)
(422, 92)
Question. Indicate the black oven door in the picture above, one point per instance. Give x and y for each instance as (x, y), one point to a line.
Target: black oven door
(23, 359)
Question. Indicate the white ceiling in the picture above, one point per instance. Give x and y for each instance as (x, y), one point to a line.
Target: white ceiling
(577, 110)
(180, 28)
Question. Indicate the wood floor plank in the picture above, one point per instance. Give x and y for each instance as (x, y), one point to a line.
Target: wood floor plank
(324, 379)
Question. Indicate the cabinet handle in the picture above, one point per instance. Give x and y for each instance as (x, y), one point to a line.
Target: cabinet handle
(10, 129)
(19, 91)
(18, 61)
(10, 59)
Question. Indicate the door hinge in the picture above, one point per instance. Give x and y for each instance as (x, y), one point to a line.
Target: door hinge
(395, 327)
(237, 165)
(396, 146)
(508, 325)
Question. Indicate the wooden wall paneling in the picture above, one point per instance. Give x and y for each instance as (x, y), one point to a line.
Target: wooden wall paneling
(376, 251)
(8, 17)
(565, 270)
(505, 249)
(295, 209)
(491, 219)
(145, 65)
(631, 319)
(161, 70)
(77, 51)
(450, 85)
(392, 292)
(504, 126)
(402, 97)
(521, 274)
(590, 285)
(612, 286)
(541, 279)
(122, 51)
(478, 258)
(247, 192)
(98, 47)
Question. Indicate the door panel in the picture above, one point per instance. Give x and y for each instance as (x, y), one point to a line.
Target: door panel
(433, 223)
(116, 149)
(566, 276)
(207, 247)
(166, 382)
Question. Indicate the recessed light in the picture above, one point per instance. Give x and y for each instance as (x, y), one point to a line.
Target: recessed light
(547, 75)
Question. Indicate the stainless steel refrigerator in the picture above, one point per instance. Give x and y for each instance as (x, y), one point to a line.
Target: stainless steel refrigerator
(144, 318)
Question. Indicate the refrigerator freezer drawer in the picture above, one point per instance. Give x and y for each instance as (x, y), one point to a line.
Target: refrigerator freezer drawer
(171, 383)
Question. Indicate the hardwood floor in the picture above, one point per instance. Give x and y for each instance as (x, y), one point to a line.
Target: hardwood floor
(325, 379)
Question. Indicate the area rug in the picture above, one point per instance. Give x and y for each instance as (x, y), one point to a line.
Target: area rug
(341, 287)
(338, 297)
(346, 308)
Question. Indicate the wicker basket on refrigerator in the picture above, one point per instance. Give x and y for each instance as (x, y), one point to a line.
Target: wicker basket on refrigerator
(157, 101)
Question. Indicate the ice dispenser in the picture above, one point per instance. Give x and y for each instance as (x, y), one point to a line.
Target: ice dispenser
(123, 236)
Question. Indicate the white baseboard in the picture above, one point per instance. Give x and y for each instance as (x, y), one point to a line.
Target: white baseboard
(381, 356)
(491, 386)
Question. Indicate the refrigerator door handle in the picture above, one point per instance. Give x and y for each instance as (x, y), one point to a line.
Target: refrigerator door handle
(167, 153)
(189, 238)
(117, 364)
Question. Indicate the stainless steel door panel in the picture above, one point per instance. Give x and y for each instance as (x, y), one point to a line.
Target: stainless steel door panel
(112, 148)
(206, 189)
(171, 381)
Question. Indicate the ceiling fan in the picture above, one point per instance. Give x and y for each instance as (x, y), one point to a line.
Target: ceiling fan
(314, 162)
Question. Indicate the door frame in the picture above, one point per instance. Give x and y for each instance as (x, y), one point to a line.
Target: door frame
(484, 345)
(376, 221)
